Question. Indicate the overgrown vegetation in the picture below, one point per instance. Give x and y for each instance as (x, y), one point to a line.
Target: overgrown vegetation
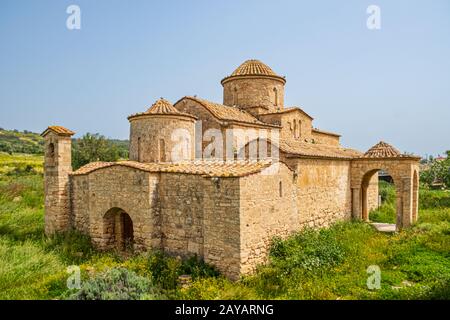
(324, 264)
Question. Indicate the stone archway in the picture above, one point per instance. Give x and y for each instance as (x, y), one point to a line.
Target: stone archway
(404, 171)
(367, 202)
(118, 232)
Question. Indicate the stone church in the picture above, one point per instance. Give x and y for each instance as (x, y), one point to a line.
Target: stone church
(224, 204)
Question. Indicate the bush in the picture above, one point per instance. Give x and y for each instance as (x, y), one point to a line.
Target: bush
(166, 270)
(309, 250)
(116, 284)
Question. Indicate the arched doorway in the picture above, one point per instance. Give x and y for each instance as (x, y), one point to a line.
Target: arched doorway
(381, 196)
(118, 230)
(403, 168)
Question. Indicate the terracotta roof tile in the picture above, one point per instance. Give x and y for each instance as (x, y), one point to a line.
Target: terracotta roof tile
(58, 130)
(318, 150)
(382, 150)
(228, 113)
(326, 132)
(253, 67)
(204, 168)
(161, 107)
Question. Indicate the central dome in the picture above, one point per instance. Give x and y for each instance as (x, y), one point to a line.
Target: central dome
(253, 68)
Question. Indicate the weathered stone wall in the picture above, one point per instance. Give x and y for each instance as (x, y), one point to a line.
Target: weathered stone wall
(132, 190)
(268, 209)
(296, 126)
(325, 138)
(57, 166)
(372, 193)
(207, 120)
(221, 225)
(146, 133)
(254, 92)
(182, 197)
(324, 193)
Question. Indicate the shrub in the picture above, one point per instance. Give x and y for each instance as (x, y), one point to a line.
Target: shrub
(116, 284)
(309, 250)
(72, 246)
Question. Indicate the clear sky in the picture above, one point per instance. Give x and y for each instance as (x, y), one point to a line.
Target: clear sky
(391, 84)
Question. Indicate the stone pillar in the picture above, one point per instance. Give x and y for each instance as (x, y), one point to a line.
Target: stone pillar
(356, 203)
(407, 202)
(57, 166)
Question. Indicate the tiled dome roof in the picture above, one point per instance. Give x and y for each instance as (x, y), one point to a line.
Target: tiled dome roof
(382, 150)
(254, 68)
(162, 106)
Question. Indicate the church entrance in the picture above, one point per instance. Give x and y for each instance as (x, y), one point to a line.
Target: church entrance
(118, 230)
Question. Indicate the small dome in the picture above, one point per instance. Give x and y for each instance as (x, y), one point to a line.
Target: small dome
(382, 150)
(162, 106)
(254, 68)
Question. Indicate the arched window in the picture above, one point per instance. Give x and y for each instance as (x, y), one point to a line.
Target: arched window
(139, 149)
(235, 96)
(281, 189)
(162, 150)
(295, 128)
(51, 153)
(299, 129)
(275, 94)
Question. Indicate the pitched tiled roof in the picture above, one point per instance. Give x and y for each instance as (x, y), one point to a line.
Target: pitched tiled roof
(290, 109)
(58, 130)
(204, 168)
(253, 68)
(325, 132)
(382, 150)
(227, 113)
(161, 107)
(305, 149)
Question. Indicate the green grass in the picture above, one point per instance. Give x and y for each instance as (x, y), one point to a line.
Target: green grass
(312, 264)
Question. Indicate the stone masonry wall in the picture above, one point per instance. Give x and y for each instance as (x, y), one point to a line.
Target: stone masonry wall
(146, 133)
(57, 166)
(131, 190)
(324, 138)
(324, 193)
(254, 92)
(268, 209)
(182, 197)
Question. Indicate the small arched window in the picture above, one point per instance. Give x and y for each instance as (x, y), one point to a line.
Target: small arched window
(275, 94)
(235, 96)
(51, 154)
(299, 133)
(139, 151)
(281, 189)
(162, 150)
(295, 128)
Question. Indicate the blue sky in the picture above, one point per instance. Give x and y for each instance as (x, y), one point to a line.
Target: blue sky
(391, 84)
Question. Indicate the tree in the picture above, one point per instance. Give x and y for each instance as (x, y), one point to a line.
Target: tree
(93, 147)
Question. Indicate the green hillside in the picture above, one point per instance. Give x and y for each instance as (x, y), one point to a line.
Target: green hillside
(14, 141)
